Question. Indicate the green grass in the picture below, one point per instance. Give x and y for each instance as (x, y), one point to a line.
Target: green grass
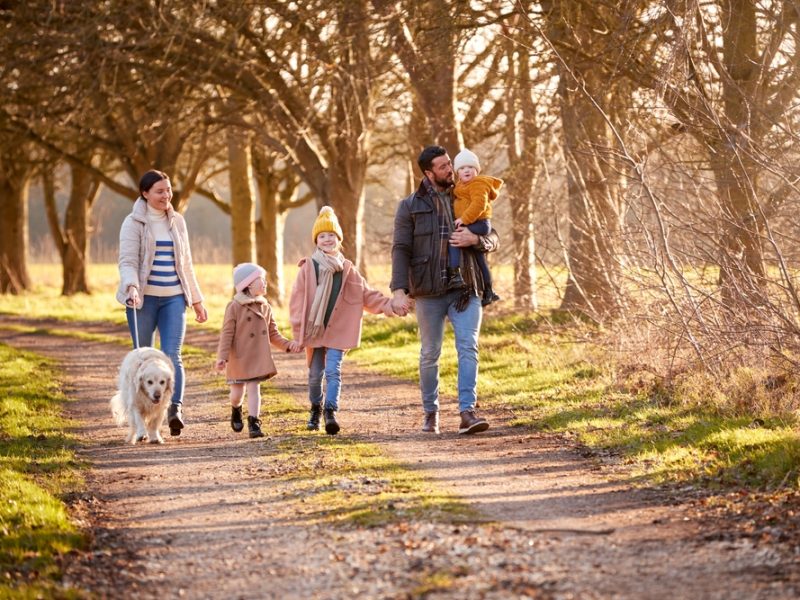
(37, 468)
(552, 380)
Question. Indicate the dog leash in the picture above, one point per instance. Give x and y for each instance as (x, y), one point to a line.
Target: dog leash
(135, 327)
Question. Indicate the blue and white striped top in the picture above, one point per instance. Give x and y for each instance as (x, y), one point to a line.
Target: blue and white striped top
(163, 277)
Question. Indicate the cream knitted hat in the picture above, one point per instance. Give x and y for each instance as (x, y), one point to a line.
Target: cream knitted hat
(466, 158)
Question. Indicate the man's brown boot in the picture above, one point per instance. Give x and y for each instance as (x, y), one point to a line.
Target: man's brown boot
(431, 424)
(470, 423)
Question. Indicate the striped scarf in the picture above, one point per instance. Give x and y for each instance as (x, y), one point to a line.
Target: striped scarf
(444, 215)
(470, 272)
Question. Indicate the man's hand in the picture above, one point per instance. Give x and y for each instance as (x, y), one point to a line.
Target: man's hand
(400, 303)
(294, 347)
(463, 238)
(220, 364)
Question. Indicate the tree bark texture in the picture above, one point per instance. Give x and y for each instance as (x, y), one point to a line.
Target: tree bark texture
(72, 239)
(426, 40)
(243, 206)
(522, 144)
(14, 183)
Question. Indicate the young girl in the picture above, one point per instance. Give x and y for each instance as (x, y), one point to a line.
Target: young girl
(244, 344)
(327, 304)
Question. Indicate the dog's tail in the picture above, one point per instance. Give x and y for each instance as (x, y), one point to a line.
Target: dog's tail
(118, 409)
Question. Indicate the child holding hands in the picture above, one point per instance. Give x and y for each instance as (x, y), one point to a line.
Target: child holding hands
(244, 345)
(327, 305)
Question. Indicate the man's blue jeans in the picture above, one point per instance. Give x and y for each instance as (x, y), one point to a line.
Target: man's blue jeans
(168, 315)
(327, 362)
(431, 314)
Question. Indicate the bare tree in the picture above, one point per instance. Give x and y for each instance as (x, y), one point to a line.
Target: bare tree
(72, 238)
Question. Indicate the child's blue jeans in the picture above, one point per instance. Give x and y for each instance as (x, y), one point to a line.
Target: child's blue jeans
(325, 362)
(480, 227)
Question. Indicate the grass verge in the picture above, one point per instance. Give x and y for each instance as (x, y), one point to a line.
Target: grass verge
(37, 468)
(553, 380)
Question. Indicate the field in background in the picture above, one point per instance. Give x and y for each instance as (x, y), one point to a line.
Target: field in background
(216, 284)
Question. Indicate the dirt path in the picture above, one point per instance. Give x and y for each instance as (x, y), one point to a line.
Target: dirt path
(202, 517)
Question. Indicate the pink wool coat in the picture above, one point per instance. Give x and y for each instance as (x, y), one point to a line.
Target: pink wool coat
(344, 327)
(244, 341)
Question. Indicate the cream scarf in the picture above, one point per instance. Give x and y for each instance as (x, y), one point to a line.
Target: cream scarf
(328, 265)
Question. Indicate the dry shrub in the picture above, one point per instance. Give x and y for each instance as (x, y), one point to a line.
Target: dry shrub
(737, 364)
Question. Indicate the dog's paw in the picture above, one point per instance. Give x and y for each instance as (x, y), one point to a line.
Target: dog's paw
(157, 440)
(139, 438)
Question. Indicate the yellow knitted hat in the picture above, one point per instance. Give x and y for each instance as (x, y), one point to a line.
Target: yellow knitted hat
(326, 221)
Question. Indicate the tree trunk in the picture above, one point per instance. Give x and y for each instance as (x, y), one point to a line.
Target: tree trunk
(522, 143)
(593, 186)
(347, 200)
(742, 271)
(269, 234)
(243, 208)
(72, 241)
(354, 118)
(14, 183)
(594, 221)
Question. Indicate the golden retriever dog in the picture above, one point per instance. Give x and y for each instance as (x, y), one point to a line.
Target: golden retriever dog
(146, 378)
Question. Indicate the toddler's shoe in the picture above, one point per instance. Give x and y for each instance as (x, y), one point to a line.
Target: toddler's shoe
(254, 427)
(236, 419)
(489, 296)
(454, 278)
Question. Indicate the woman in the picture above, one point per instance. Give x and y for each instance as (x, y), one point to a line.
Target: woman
(157, 278)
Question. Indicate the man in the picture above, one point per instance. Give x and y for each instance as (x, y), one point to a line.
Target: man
(423, 229)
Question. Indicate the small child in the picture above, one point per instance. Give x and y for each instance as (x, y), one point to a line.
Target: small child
(472, 208)
(244, 345)
(326, 308)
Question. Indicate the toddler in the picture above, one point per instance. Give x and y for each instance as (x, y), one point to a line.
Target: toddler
(472, 208)
(244, 345)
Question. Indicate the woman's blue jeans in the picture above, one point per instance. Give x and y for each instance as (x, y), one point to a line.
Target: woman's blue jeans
(168, 315)
(325, 362)
(431, 314)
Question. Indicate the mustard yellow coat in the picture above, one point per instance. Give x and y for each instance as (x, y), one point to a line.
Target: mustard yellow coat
(473, 200)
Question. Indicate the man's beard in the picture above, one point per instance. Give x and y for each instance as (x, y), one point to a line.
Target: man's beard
(444, 183)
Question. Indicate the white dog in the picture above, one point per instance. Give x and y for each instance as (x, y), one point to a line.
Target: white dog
(146, 379)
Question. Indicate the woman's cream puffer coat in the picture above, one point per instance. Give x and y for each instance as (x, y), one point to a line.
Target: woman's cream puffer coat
(137, 250)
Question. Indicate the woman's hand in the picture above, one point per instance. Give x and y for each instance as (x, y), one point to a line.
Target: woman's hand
(294, 347)
(133, 296)
(200, 312)
(220, 364)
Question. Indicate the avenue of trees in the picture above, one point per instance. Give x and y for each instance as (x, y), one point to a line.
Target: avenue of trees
(648, 146)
